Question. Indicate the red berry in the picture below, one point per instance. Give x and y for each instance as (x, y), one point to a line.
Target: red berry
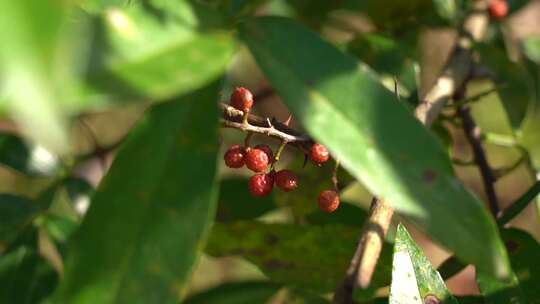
(242, 99)
(266, 150)
(286, 180)
(256, 160)
(261, 184)
(328, 201)
(234, 157)
(498, 9)
(319, 154)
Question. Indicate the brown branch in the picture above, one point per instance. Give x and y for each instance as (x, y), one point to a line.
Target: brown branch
(233, 118)
(268, 131)
(453, 76)
(458, 68)
(367, 252)
(472, 133)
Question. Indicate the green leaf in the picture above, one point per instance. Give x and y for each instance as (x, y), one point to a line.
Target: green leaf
(236, 293)
(521, 287)
(15, 214)
(299, 296)
(24, 276)
(31, 33)
(236, 203)
(343, 105)
(19, 156)
(500, 292)
(519, 204)
(413, 275)
(531, 48)
(156, 50)
(528, 137)
(388, 56)
(14, 153)
(314, 13)
(60, 227)
(516, 87)
(100, 5)
(447, 9)
(77, 186)
(516, 5)
(524, 251)
(149, 217)
(238, 8)
(279, 250)
(398, 16)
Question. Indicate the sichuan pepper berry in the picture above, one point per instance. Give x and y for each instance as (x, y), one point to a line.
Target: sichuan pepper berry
(319, 154)
(242, 99)
(266, 150)
(256, 159)
(498, 9)
(261, 184)
(234, 157)
(286, 180)
(328, 201)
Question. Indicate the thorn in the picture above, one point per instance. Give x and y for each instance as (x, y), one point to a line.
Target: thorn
(287, 122)
(305, 160)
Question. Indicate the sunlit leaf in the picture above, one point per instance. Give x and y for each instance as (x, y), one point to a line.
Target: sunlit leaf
(31, 33)
(156, 50)
(343, 105)
(414, 279)
(531, 47)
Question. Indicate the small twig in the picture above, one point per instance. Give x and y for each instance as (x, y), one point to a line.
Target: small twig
(503, 171)
(500, 140)
(475, 98)
(450, 267)
(461, 162)
(279, 151)
(472, 133)
(247, 140)
(509, 213)
(335, 181)
(451, 118)
(98, 149)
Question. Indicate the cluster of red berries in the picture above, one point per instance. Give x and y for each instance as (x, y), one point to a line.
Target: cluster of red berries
(498, 9)
(260, 159)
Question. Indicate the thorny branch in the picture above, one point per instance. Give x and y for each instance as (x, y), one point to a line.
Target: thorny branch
(232, 118)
